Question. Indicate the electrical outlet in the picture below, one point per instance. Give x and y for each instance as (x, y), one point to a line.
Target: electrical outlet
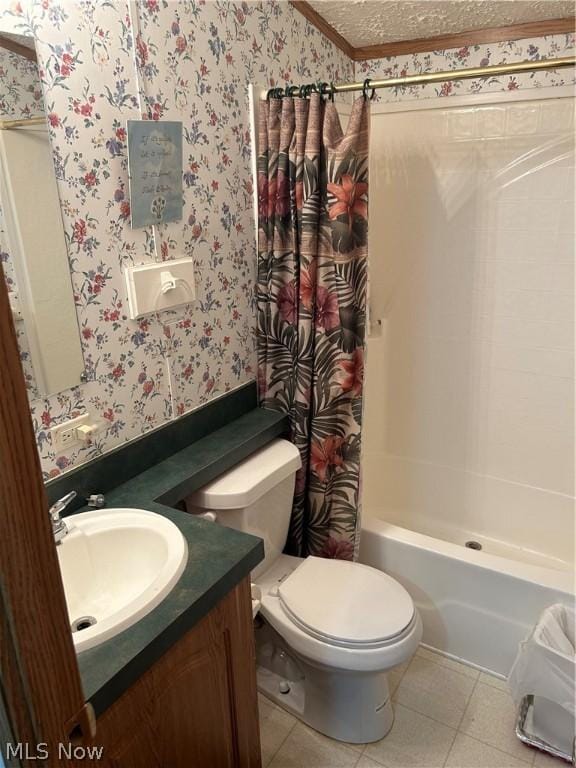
(65, 435)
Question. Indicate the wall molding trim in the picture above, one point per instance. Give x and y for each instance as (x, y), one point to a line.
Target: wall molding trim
(471, 37)
(15, 47)
(441, 42)
(320, 23)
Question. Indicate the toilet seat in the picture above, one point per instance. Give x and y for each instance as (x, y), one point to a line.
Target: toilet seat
(309, 637)
(346, 604)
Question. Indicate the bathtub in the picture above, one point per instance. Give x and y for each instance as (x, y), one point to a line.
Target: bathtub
(468, 427)
(476, 606)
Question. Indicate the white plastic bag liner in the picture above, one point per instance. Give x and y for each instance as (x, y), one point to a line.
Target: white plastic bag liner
(546, 662)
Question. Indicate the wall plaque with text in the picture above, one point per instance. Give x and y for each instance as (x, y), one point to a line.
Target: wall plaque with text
(154, 171)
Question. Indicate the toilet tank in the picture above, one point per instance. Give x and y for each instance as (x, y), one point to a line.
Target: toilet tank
(255, 496)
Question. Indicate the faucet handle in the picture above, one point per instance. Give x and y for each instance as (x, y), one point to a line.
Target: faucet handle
(60, 505)
(59, 527)
(96, 500)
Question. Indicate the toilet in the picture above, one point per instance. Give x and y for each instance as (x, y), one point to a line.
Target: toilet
(327, 631)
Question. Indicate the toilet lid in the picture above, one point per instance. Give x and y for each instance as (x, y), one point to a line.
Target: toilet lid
(345, 603)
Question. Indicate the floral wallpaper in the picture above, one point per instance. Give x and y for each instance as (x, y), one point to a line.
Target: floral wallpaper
(553, 46)
(21, 92)
(104, 62)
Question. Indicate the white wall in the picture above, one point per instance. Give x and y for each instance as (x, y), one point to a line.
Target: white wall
(470, 403)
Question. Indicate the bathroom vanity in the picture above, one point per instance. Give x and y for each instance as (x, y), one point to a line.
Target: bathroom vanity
(197, 705)
(178, 687)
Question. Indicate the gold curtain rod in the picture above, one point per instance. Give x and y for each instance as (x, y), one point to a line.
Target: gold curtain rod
(6, 125)
(439, 77)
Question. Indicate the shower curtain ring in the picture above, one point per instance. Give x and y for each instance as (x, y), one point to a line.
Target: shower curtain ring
(365, 89)
(332, 92)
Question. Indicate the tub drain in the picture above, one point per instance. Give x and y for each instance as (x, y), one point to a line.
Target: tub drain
(83, 623)
(473, 545)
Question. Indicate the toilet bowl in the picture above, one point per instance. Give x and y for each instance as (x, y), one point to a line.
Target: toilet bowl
(328, 631)
(337, 648)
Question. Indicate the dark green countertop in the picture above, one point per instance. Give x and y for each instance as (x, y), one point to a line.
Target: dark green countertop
(218, 557)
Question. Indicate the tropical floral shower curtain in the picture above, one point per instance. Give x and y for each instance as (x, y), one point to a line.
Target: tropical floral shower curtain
(312, 243)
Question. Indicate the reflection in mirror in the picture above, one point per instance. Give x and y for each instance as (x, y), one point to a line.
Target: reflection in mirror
(32, 243)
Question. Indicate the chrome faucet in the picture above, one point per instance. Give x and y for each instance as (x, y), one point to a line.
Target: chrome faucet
(59, 527)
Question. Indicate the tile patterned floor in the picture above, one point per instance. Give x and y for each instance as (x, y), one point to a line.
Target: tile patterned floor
(446, 715)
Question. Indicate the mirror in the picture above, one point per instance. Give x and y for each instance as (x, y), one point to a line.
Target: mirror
(32, 241)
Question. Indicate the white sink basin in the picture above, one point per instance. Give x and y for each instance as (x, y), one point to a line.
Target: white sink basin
(117, 565)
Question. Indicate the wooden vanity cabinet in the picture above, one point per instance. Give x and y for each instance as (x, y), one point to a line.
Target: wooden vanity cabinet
(197, 706)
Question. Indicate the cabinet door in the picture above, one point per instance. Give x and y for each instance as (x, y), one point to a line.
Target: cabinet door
(197, 706)
(137, 750)
(195, 711)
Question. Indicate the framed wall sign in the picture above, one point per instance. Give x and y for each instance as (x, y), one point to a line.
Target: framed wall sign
(154, 171)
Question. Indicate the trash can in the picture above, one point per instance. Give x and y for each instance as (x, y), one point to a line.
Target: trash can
(542, 682)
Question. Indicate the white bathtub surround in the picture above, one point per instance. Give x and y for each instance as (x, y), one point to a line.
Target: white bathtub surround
(470, 389)
(469, 408)
(416, 740)
(425, 497)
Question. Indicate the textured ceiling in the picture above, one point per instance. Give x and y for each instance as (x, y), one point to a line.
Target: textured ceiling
(369, 22)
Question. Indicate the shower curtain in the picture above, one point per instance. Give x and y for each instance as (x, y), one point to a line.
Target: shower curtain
(312, 268)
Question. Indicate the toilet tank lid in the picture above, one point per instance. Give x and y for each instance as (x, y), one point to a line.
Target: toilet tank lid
(248, 481)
